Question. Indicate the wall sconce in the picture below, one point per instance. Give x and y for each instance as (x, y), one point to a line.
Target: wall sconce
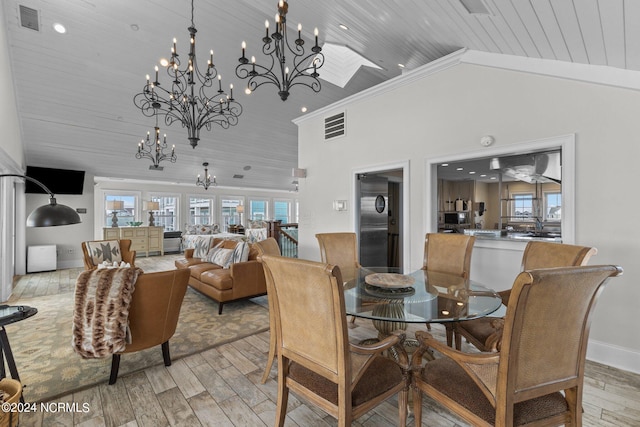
(151, 206)
(299, 173)
(340, 205)
(114, 206)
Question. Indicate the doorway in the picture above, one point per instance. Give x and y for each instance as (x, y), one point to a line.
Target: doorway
(379, 206)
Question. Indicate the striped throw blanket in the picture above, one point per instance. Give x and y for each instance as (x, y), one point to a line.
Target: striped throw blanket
(101, 311)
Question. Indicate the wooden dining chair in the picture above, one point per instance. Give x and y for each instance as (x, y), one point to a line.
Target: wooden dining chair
(448, 253)
(340, 249)
(537, 377)
(269, 246)
(484, 333)
(315, 358)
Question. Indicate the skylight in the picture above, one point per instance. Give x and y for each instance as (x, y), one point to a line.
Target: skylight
(341, 64)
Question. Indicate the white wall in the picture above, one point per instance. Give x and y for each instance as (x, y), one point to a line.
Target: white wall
(69, 237)
(446, 113)
(11, 141)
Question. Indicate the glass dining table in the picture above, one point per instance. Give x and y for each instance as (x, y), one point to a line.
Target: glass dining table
(392, 299)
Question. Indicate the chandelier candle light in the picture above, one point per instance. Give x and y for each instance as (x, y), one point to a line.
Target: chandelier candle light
(207, 178)
(193, 107)
(154, 150)
(304, 67)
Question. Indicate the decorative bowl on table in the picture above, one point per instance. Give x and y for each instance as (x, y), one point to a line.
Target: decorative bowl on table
(389, 280)
(389, 285)
(135, 223)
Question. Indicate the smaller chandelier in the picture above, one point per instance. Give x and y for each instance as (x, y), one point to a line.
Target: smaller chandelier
(304, 67)
(207, 181)
(154, 149)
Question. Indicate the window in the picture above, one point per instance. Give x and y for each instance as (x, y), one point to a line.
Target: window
(201, 210)
(228, 210)
(125, 215)
(282, 211)
(258, 209)
(167, 214)
(552, 206)
(522, 207)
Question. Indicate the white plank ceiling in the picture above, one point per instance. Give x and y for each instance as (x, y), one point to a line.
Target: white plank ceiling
(75, 90)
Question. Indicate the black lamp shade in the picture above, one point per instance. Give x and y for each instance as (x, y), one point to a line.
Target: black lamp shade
(52, 215)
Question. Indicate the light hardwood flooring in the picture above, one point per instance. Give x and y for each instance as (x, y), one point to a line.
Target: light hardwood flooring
(221, 386)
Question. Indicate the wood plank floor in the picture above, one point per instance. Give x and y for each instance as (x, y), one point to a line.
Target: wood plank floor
(221, 386)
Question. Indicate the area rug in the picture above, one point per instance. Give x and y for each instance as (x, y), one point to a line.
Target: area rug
(48, 366)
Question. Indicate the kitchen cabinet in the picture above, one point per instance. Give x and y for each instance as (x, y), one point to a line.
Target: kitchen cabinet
(143, 239)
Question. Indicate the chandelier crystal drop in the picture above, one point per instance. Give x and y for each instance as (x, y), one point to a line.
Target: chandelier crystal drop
(153, 149)
(303, 69)
(193, 98)
(207, 181)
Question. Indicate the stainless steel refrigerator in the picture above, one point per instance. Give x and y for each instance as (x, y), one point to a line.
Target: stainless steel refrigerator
(374, 199)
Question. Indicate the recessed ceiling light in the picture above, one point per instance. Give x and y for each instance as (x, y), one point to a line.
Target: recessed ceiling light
(59, 28)
(247, 168)
(134, 27)
(493, 177)
(304, 109)
(471, 172)
(401, 65)
(164, 62)
(459, 169)
(445, 164)
(344, 27)
(483, 175)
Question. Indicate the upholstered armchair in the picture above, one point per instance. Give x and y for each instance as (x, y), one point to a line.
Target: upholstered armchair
(315, 359)
(97, 251)
(485, 333)
(153, 313)
(537, 377)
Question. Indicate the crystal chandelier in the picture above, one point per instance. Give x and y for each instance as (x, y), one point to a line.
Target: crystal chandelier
(304, 67)
(207, 181)
(192, 98)
(154, 149)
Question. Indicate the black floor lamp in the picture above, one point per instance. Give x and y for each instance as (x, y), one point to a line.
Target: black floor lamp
(50, 215)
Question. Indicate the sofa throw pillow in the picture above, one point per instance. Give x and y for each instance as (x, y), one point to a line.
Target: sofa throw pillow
(256, 234)
(221, 257)
(212, 252)
(240, 254)
(107, 250)
(201, 247)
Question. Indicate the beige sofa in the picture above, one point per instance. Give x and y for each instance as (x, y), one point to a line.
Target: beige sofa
(241, 280)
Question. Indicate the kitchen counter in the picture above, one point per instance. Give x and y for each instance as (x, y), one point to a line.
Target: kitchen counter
(504, 235)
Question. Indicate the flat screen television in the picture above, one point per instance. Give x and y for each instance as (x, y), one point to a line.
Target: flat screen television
(59, 181)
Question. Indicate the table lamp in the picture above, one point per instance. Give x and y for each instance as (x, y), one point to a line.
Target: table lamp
(50, 215)
(151, 206)
(114, 206)
(240, 210)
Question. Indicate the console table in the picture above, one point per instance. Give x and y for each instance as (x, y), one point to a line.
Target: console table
(143, 239)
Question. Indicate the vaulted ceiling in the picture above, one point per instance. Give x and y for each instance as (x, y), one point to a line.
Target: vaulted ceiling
(75, 90)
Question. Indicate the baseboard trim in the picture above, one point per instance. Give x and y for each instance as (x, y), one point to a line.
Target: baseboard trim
(614, 356)
(70, 264)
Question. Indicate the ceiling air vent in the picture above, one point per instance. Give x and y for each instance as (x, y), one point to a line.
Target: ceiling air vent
(238, 176)
(334, 126)
(29, 18)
